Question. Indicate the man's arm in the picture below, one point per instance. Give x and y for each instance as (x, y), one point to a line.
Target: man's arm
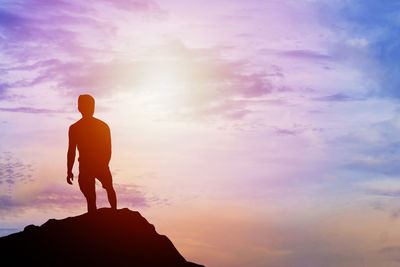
(108, 145)
(70, 155)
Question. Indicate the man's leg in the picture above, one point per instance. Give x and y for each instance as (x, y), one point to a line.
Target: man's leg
(106, 180)
(87, 186)
(112, 197)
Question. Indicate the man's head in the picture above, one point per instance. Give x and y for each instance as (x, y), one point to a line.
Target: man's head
(86, 105)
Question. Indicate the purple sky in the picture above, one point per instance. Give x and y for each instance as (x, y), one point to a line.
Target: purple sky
(252, 133)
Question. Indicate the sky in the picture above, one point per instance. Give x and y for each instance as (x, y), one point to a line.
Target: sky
(251, 133)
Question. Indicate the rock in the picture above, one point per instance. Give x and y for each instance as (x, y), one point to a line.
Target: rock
(106, 238)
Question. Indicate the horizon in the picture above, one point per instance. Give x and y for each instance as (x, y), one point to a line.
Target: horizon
(251, 133)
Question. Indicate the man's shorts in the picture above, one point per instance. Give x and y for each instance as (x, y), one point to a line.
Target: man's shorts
(88, 174)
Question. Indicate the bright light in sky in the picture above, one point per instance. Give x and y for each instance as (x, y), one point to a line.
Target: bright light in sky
(252, 133)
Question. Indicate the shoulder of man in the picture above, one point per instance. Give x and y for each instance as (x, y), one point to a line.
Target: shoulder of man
(102, 123)
(73, 126)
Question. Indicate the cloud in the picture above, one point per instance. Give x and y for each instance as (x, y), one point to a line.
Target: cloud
(339, 97)
(358, 42)
(378, 205)
(383, 164)
(149, 7)
(385, 203)
(31, 110)
(58, 15)
(208, 82)
(191, 66)
(72, 47)
(391, 249)
(13, 170)
(305, 54)
(380, 192)
(369, 29)
(43, 29)
(57, 197)
(237, 114)
(285, 132)
(391, 253)
(19, 193)
(369, 149)
(3, 89)
(384, 190)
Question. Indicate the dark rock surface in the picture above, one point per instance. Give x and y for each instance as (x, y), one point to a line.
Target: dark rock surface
(106, 238)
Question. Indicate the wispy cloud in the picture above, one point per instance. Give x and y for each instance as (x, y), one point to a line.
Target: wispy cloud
(13, 170)
(382, 187)
(58, 197)
(306, 54)
(339, 97)
(76, 51)
(31, 110)
(285, 132)
(391, 249)
(35, 46)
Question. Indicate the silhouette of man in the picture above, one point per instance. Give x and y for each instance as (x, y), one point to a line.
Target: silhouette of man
(92, 138)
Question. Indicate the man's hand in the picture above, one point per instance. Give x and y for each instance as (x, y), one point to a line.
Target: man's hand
(70, 177)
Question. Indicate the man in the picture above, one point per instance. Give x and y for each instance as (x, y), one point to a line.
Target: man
(92, 138)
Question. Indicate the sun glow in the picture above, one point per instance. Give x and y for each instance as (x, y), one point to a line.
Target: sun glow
(162, 86)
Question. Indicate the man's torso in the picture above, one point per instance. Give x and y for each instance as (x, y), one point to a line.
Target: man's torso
(92, 137)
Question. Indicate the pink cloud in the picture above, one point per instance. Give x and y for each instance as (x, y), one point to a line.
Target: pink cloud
(61, 198)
